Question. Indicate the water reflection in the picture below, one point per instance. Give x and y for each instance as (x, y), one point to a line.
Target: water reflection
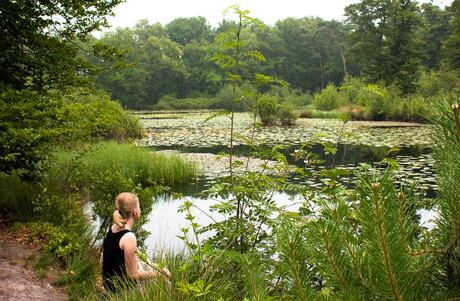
(347, 154)
(165, 223)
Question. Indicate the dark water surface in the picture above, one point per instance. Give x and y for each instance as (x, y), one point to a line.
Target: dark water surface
(189, 133)
(416, 164)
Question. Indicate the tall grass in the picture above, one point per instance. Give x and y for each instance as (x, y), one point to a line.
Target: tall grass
(313, 113)
(137, 163)
(214, 279)
(18, 196)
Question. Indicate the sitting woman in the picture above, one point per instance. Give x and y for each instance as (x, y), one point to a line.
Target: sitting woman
(119, 260)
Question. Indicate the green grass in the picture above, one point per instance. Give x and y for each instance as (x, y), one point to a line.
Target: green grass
(190, 281)
(18, 196)
(81, 274)
(309, 112)
(140, 164)
(43, 262)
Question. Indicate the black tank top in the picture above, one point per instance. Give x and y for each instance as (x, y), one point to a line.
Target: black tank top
(113, 259)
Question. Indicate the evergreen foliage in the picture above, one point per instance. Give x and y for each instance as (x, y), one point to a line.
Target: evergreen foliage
(451, 46)
(446, 146)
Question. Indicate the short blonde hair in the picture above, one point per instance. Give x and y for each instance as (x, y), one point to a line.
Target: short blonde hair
(124, 204)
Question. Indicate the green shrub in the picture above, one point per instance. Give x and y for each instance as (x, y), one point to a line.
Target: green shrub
(301, 100)
(355, 84)
(328, 99)
(305, 114)
(166, 102)
(223, 99)
(268, 110)
(60, 241)
(287, 114)
(18, 196)
(295, 96)
(170, 102)
(95, 115)
(438, 83)
(413, 108)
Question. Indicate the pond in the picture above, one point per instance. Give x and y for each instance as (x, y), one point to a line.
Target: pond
(197, 137)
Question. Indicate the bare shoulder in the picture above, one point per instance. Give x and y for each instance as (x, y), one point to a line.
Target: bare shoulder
(128, 241)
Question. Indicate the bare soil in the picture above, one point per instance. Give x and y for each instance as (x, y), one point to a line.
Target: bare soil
(19, 280)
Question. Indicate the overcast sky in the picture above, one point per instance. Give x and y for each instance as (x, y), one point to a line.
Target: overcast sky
(269, 11)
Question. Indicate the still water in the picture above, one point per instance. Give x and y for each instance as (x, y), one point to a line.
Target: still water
(166, 222)
(360, 143)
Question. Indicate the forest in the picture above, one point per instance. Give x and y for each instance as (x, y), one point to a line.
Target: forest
(409, 50)
(70, 143)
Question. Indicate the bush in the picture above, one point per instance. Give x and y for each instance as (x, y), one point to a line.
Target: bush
(223, 99)
(351, 85)
(286, 114)
(295, 96)
(437, 83)
(301, 100)
(170, 102)
(18, 196)
(329, 99)
(413, 108)
(58, 240)
(95, 115)
(268, 110)
(305, 114)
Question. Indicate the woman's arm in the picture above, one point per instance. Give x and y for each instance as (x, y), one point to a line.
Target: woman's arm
(128, 244)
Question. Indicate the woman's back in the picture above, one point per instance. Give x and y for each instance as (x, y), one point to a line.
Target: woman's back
(113, 259)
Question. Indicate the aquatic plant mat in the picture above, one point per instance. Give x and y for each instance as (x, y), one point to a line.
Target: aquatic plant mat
(195, 137)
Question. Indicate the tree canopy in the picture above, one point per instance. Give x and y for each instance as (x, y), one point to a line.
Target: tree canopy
(384, 41)
(39, 65)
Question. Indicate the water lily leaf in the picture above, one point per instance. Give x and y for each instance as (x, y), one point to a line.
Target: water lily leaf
(334, 173)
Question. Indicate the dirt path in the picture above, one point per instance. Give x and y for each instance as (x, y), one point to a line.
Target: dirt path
(19, 280)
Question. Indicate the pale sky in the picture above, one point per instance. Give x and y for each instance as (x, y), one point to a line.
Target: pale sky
(269, 11)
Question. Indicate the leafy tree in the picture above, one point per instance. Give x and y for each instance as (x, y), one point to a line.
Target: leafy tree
(33, 41)
(203, 76)
(312, 52)
(156, 67)
(433, 32)
(39, 64)
(127, 86)
(383, 40)
(143, 30)
(165, 66)
(186, 30)
(451, 47)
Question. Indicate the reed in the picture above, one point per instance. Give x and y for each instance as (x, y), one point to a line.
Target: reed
(142, 165)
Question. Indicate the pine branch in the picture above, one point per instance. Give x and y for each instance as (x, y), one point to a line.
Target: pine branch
(383, 242)
(330, 255)
(296, 270)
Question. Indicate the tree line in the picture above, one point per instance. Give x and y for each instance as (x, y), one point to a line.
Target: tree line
(388, 42)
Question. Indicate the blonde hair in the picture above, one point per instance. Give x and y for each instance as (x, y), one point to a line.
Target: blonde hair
(124, 204)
